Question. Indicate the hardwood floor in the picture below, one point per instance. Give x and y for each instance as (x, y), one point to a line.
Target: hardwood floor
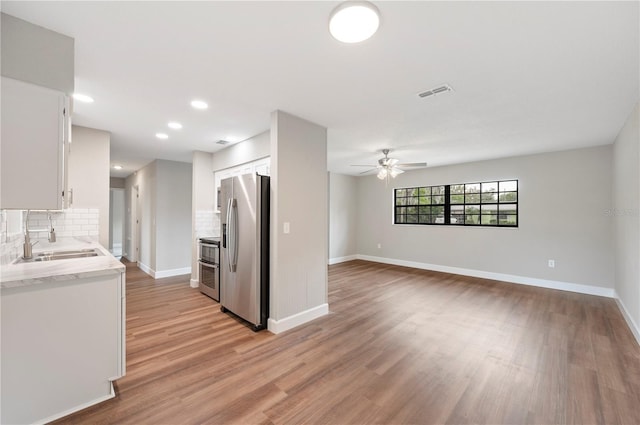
(400, 346)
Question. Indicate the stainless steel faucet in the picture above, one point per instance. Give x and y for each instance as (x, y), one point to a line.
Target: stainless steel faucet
(27, 247)
(52, 231)
(27, 251)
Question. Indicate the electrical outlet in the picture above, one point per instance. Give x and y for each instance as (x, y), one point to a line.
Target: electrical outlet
(286, 228)
(552, 263)
(379, 246)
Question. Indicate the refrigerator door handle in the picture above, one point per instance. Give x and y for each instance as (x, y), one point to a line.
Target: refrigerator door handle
(229, 234)
(232, 230)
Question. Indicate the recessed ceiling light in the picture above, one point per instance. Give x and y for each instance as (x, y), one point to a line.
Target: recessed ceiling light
(117, 167)
(174, 125)
(162, 135)
(199, 104)
(354, 21)
(82, 98)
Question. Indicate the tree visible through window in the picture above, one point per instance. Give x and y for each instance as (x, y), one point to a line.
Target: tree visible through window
(468, 204)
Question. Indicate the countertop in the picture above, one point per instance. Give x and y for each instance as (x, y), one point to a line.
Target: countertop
(19, 274)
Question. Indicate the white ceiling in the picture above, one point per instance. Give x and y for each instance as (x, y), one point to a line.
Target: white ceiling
(527, 76)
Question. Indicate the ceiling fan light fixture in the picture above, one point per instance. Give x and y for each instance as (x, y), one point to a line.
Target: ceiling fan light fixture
(354, 21)
(394, 172)
(389, 167)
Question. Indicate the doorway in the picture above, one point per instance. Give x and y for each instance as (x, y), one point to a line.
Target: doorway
(116, 222)
(133, 235)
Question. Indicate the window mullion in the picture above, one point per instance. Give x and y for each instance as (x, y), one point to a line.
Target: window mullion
(447, 204)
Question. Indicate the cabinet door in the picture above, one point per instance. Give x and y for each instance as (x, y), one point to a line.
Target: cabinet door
(32, 146)
(263, 166)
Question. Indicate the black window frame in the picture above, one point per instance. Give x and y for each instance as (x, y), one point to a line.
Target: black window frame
(419, 205)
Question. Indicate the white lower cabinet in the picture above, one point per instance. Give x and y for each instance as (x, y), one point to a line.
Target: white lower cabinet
(62, 345)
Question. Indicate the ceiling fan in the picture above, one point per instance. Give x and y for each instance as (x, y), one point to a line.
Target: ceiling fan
(389, 167)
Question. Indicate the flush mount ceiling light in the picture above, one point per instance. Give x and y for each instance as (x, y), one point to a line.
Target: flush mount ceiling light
(174, 125)
(354, 21)
(199, 104)
(82, 98)
(162, 136)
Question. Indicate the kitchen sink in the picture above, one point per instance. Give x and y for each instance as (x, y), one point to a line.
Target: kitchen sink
(71, 252)
(61, 255)
(64, 256)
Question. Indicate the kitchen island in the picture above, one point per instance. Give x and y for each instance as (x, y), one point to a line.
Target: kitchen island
(63, 332)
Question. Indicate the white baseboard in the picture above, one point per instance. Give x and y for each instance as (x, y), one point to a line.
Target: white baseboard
(278, 326)
(522, 280)
(163, 273)
(194, 283)
(148, 270)
(173, 272)
(52, 418)
(635, 329)
(337, 260)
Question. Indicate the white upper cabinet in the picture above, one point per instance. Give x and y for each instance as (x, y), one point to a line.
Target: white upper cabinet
(260, 166)
(32, 152)
(263, 166)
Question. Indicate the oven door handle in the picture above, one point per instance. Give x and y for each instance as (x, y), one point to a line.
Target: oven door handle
(211, 266)
(210, 245)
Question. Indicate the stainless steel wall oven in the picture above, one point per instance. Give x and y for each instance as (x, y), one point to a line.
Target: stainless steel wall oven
(209, 267)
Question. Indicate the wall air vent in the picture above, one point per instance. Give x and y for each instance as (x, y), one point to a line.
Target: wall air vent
(222, 142)
(438, 90)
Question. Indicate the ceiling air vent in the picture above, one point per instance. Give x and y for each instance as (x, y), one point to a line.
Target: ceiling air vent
(222, 142)
(438, 90)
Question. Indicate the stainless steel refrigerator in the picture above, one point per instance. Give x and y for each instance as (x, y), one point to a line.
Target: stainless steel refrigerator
(244, 264)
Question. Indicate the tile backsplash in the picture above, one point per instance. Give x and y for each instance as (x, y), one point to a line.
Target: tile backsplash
(71, 222)
(76, 222)
(207, 223)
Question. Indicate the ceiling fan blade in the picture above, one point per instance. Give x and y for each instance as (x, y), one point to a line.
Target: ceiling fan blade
(412, 164)
(368, 171)
(360, 165)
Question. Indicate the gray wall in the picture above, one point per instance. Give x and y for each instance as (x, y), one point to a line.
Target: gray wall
(165, 216)
(173, 215)
(256, 147)
(37, 55)
(116, 221)
(626, 217)
(299, 197)
(202, 188)
(116, 182)
(564, 197)
(343, 216)
(88, 168)
(145, 180)
(202, 183)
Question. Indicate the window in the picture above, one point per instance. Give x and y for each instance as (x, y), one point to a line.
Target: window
(467, 204)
